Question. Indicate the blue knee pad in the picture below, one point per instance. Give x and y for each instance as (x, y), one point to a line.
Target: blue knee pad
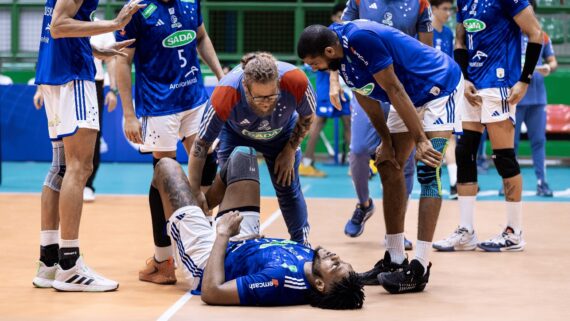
(240, 166)
(430, 177)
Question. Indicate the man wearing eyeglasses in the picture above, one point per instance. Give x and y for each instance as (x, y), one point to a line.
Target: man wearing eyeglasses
(268, 105)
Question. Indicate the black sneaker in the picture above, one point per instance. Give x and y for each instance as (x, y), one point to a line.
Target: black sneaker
(385, 265)
(410, 279)
(453, 192)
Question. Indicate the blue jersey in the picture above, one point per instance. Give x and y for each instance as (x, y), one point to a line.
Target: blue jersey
(493, 41)
(536, 92)
(370, 47)
(410, 17)
(65, 59)
(443, 40)
(168, 76)
(228, 107)
(269, 271)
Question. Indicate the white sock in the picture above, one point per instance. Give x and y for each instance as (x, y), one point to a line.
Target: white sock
(68, 243)
(422, 253)
(514, 216)
(452, 171)
(395, 246)
(466, 211)
(49, 237)
(307, 161)
(162, 254)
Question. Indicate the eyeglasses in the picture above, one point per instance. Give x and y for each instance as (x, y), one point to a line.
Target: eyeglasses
(262, 99)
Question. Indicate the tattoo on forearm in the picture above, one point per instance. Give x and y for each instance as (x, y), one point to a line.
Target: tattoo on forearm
(200, 148)
(300, 131)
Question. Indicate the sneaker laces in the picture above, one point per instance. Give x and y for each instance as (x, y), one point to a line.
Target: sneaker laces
(358, 215)
(456, 235)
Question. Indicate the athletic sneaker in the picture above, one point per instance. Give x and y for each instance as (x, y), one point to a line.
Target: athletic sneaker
(542, 189)
(453, 192)
(410, 279)
(310, 171)
(88, 194)
(80, 278)
(158, 272)
(45, 275)
(507, 241)
(459, 240)
(384, 265)
(355, 226)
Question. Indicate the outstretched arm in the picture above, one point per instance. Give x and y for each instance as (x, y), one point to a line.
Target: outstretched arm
(215, 289)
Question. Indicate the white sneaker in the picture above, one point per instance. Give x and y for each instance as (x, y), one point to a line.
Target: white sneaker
(45, 275)
(82, 279)
(507, 241)
(88, 194)
(459, 240)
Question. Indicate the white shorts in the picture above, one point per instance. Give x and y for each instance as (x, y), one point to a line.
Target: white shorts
(495, 107)
(161, 133)
(69, 107)
(194, 237)
(442, 114)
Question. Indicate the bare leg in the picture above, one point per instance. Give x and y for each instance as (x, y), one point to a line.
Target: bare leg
(502, 136)
(314, 137)
(394, 185)
(49, 209)
(79, 150)
(173, 186)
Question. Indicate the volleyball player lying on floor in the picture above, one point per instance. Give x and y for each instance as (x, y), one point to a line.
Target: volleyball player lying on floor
(230, 263)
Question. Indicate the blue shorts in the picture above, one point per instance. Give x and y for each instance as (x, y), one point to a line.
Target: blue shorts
(326, 110)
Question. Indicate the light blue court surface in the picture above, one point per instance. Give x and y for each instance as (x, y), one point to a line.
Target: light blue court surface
(123, 178)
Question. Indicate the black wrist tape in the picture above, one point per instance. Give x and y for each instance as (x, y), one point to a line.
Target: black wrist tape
(462, 58)
(531, 58)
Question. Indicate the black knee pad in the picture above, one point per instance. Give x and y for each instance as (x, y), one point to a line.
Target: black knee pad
(210, 170)
(506, 162)
(240, 166)
(466, 156)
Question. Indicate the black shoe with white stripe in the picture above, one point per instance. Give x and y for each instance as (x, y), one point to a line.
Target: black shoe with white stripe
(82, 279)
(371, 277)
(410, 279)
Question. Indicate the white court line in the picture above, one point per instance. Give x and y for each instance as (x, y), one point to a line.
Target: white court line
(175, 307)
(187, 296)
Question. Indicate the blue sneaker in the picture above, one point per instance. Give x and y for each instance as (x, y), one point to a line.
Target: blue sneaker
(542, 189)
(355, 226)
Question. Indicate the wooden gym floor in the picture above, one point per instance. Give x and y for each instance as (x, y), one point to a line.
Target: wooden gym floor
(116, 240)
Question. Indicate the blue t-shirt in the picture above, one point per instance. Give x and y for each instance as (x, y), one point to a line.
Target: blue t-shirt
(536, 92)
(228, 107)
(65, 59)
(269, 272)
(168, 76)
(493, 41)
(410, 17)
(443, 40)
(370, 47)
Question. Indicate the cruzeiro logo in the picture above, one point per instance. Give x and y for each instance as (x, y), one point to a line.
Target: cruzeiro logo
(474, 25)
(365, 90)
(179, 38)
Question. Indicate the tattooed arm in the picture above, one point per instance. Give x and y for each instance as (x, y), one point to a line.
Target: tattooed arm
(300, 131)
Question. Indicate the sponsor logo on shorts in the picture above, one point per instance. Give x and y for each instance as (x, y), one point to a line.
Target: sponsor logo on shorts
(149, 10)
(365, 90)
(179, 38)
(265, 135)
(474, 25)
